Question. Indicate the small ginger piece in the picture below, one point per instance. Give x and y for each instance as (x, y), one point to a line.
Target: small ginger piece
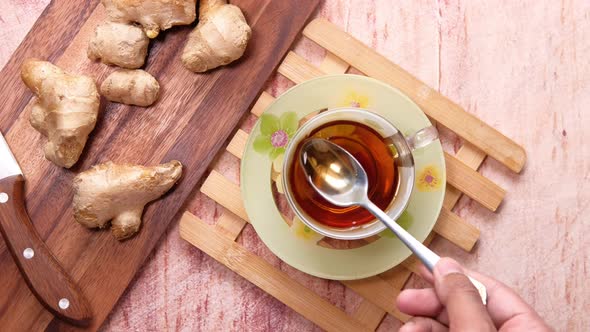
(119, 44)
(65, 110)
(131, 87)
(220, 37)
(153, 15)
(119, 192)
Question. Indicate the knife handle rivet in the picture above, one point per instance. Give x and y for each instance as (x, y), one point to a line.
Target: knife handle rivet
(28, 253)
(3, 198)
(64, 303)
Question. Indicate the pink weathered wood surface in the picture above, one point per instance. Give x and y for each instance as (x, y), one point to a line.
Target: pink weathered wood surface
(520, 66)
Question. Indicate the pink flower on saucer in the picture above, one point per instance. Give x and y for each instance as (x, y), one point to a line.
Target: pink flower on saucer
(275, 133)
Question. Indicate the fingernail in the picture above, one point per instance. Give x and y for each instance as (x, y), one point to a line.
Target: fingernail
(447, 266)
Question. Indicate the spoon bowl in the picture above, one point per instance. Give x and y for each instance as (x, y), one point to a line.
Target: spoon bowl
(334, 173)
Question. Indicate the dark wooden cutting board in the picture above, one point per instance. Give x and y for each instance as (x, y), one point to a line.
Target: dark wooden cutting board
(193, 118)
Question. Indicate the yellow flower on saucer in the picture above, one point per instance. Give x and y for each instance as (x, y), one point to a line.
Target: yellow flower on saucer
(354, 99)
(303, 231)
(429, 179)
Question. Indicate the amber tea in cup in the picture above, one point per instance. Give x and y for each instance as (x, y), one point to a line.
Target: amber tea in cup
(383, 151)
(373, 152)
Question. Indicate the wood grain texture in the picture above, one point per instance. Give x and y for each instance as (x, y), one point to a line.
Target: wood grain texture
(473, 158)
(473, 184)
(230, 225)
(262, 103)
(333, 64)
(369, 314)
(520, 67)
(202, 109)
(222, 190)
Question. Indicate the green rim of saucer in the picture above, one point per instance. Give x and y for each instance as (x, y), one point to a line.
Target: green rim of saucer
(297, 245)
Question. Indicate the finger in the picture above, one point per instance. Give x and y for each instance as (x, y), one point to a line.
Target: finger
(419, 302)
(461, 299)
(422, 302)
(426, 274)
(503, 302)
(443, 317)
(423, 324)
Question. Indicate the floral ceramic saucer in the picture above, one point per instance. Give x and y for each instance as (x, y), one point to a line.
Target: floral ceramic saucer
(262, 192)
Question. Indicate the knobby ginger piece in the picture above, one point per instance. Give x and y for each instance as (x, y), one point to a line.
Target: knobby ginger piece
(65, 110)
(119, 44)
(220, 37)
(132, 87)
(153, 15)
(119, 192)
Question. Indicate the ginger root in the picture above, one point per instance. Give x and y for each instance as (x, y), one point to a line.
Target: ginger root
(153, 15)
(119, 193)
(119, 41)
(132, 87)
(123, 45)
(65, 110)
(220, 37)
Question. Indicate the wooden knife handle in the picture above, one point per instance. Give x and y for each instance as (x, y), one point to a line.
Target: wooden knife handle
(50, 283)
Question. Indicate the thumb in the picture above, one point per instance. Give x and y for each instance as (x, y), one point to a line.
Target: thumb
(461, 299)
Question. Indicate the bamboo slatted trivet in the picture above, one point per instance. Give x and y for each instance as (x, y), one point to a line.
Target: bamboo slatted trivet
(379, 292)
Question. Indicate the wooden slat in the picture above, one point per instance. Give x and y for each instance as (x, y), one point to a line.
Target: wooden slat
(262, 103)
(470, 156)
(268, 278)
(397, 276)
(378, 291)
(473, 184)
(440, 108)
(297, 69)
(238, 143)
(453, 228)
(369, 314)
(333, 64)
(224, 192)
(230, 225)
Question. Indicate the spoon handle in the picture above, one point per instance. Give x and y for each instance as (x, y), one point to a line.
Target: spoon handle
(427, 256)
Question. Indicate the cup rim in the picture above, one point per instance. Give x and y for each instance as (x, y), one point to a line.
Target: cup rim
(372, 228)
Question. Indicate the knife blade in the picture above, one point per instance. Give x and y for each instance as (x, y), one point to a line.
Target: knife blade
(46, 278)
(9, 165)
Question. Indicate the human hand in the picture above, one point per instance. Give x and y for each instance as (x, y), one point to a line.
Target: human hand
(454, 304)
